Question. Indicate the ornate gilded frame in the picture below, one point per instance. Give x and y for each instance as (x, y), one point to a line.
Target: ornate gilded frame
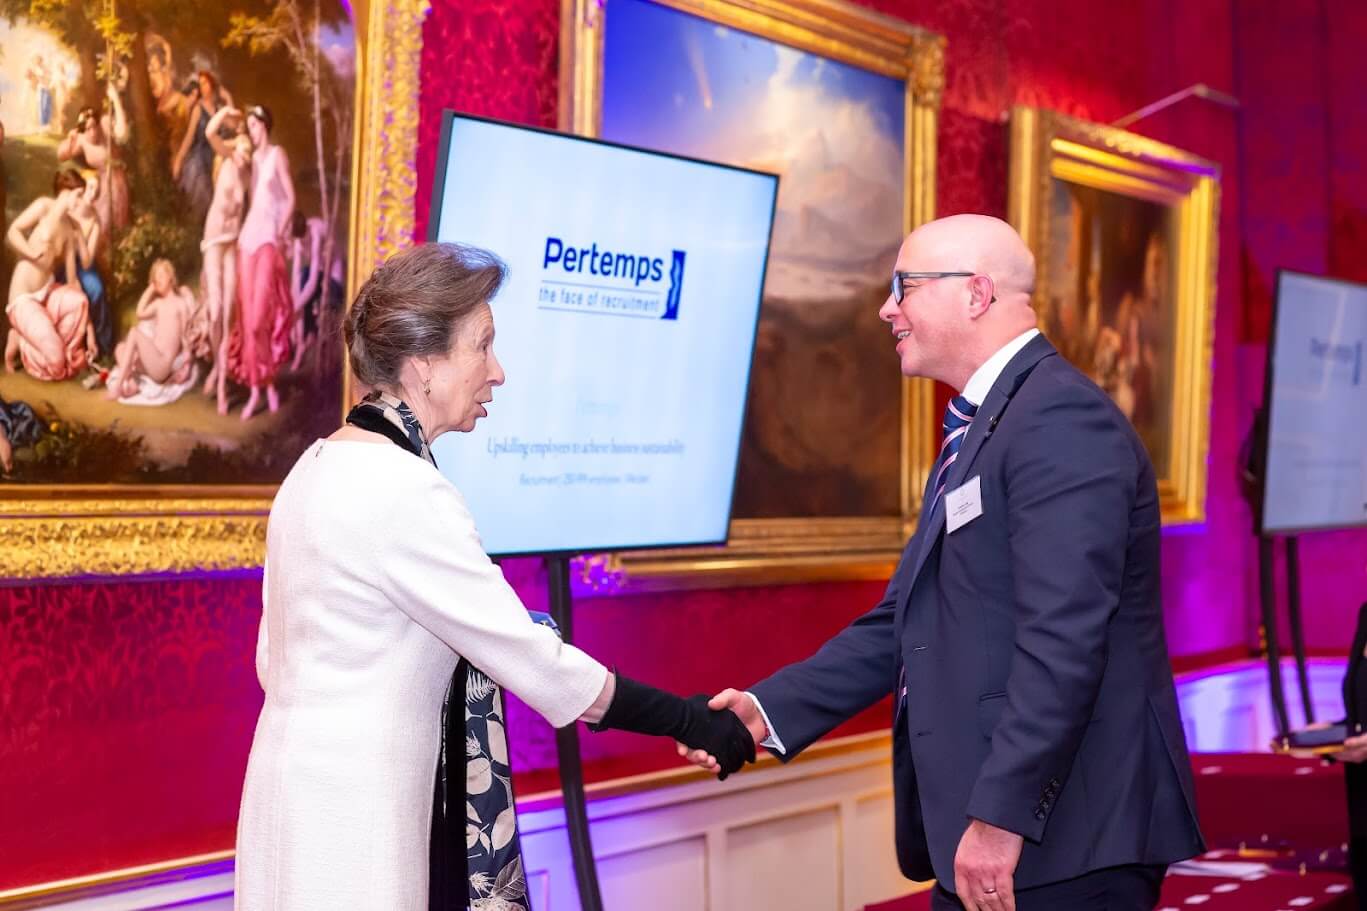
(1046, 145)
(116, 530)
(790, 550)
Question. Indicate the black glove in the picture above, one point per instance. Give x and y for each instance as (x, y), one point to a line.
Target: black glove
(644, 709)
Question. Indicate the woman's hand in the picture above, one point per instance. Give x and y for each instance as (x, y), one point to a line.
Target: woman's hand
(720, 734)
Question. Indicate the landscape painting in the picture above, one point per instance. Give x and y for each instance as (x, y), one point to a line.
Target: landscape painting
(823, 427)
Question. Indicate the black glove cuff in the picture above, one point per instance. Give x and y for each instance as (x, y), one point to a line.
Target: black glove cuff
(645, 709)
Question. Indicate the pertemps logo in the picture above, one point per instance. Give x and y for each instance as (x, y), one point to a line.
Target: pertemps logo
(1340, 357)
(598, 280)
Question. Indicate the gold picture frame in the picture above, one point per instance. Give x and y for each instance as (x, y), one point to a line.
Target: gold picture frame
(1057, 160)
(788, 550)
(109, 530)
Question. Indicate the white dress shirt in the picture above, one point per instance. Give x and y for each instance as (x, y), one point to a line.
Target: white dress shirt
(985, 377)
(976, 390)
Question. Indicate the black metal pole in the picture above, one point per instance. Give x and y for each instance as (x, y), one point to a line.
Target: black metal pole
(567, 750)
(1293, 616)
(1269, 604)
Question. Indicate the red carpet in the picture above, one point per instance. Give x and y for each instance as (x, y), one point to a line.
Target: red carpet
(1272, 891)
(1280, 821)
(1261, 801)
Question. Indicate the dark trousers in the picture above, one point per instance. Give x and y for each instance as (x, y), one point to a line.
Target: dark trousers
(1357, 865)
(1129, 888)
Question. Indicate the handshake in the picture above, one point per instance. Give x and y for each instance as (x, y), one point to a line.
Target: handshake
(713, 738)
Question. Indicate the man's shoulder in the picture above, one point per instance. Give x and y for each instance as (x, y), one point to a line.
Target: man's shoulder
(1060, 399)
(1055, 380)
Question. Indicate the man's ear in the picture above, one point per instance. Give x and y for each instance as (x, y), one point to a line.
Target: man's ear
(982, 295)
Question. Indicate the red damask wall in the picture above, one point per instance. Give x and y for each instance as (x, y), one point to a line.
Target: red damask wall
(1301, 75)
(126, 708)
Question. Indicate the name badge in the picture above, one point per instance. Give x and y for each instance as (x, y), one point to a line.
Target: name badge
(963, 504)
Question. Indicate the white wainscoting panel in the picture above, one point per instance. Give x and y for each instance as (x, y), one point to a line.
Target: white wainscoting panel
(797, 857)
(814, 835)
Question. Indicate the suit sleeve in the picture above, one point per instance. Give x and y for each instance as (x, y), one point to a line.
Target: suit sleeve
(1071, 481)
(851, 672)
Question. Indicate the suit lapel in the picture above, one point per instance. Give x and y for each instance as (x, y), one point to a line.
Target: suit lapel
(984, 423)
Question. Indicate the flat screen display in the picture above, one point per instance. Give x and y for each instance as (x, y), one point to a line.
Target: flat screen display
(1316, 474)
(626, 328)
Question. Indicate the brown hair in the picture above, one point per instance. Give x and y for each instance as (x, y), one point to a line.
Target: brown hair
(263, 114)
(67, 179)
(411, 305)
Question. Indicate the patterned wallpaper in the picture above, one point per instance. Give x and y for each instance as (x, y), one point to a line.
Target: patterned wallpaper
(128, 706)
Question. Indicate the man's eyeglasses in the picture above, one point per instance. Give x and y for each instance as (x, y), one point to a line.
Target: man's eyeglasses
(901, 278)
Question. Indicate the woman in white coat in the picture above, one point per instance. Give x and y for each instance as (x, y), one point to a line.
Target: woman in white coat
(376, 586)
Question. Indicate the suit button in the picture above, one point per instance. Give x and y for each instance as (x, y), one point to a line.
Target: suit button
(1054, 783)
(1039, 814)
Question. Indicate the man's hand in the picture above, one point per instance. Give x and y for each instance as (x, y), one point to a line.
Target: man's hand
(744, 707)
(1354, 748)
(985, 867)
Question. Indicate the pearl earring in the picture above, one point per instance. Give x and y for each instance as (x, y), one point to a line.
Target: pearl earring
(427, 388)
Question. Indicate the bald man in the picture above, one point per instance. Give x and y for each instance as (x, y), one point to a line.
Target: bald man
(1038, 755)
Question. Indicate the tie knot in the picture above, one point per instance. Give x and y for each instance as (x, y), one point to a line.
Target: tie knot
(959, 413)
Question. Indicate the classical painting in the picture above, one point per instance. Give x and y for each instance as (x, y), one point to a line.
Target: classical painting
(1110, 303)
(1123, 230)
(176, 179)
(844, 118)
(188, 192)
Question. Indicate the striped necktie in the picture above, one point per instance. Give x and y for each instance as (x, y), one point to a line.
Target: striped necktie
(958, 416)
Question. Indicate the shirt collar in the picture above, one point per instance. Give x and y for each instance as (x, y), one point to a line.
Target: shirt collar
(982, 380)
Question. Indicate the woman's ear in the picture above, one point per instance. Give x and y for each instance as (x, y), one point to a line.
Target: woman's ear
(426, 376)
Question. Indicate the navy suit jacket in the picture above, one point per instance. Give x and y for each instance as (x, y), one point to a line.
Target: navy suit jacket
(1039, 694)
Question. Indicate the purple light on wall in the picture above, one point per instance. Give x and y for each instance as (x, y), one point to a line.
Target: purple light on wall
(1186, 529)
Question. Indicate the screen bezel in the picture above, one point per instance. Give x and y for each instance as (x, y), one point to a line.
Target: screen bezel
(1266, 442)
(449, 118)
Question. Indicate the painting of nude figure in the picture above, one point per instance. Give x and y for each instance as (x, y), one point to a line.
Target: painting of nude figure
(174, 185)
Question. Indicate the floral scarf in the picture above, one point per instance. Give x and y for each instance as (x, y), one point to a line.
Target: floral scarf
(482, 848)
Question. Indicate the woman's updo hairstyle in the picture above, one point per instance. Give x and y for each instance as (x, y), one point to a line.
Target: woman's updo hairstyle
(263, 114)
(412, 304)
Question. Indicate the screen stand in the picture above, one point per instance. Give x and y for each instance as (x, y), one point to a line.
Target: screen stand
(1268, 591)
(1253, 468)
(1293, 616)
(1268, 597)
(567, 751)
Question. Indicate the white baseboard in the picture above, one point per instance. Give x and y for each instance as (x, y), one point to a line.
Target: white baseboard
(815, 835)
